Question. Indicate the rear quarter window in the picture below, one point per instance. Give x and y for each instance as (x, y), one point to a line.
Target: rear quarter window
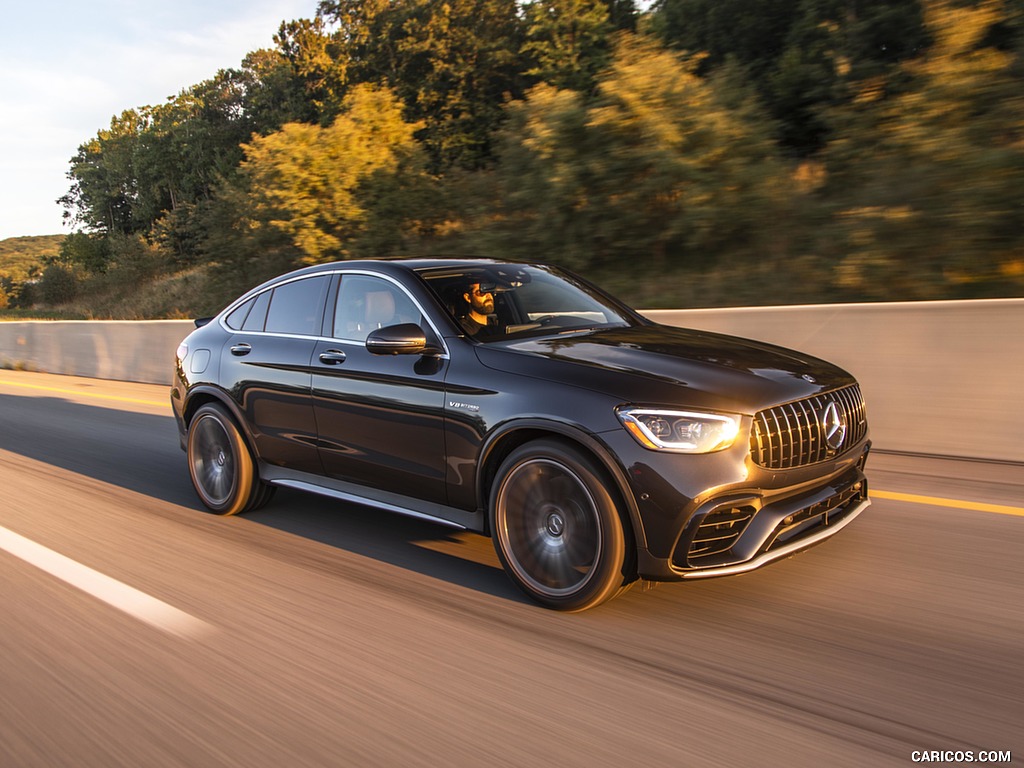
(237, 316)
(257, 317)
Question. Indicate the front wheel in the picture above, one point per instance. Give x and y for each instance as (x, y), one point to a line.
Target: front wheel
(220, 465)
(556, 527)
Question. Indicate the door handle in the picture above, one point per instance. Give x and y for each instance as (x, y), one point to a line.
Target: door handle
(332, 357)
(241, 349)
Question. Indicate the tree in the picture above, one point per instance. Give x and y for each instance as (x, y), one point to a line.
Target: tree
(274, 93)
(104, 182)
(802, 57)
(318, 64)
(301, 190)
(657, 168)
(927, 183)
(453, 63)
(58, 284)
(568, 42)
(153, 159)
(90, 252)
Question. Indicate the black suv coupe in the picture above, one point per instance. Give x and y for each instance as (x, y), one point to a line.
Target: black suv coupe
(517, 400)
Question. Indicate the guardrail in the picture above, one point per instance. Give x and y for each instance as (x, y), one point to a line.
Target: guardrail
(943, 378)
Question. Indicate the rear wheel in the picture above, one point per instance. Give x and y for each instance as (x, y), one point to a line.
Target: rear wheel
(220, 464)
(556, 527)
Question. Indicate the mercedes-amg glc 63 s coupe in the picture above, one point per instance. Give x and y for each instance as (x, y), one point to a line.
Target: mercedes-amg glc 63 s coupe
(595, 447)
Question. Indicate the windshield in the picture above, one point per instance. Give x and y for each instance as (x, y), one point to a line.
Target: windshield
(493, 302)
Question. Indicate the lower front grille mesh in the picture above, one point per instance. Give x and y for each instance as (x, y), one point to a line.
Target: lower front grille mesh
(825, 512)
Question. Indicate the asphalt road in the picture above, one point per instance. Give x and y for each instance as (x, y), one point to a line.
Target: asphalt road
(137, 630)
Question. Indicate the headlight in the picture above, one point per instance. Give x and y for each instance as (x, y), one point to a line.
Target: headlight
(680, 431)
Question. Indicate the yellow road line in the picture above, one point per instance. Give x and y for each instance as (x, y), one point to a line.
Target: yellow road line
(974, 506)
(83, 393)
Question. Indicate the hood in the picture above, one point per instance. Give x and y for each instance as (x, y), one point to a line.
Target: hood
(658, 364)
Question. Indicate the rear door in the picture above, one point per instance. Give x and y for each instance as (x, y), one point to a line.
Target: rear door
(266, 369)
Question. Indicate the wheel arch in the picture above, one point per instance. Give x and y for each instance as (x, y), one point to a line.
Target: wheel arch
(202, 395)
(511, 436)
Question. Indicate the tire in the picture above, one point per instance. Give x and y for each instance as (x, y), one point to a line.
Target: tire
(556, 527)
(264, 493)
(220, 464)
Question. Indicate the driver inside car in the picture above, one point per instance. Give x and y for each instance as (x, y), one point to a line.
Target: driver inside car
(479, 298)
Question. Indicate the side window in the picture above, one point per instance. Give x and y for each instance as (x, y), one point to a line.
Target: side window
(258, 316)
(297, 307)
(366, 303)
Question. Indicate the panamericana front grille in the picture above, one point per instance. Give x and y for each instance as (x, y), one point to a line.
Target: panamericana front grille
(797, 434)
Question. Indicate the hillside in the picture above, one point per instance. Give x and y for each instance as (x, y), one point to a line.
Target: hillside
(35, 284)
(22, 257)
(22, 262)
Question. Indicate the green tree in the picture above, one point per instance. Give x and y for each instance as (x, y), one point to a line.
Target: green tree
(568, 41)
(90, 252)
(657, 168)
(58, 284)
(104, 182)
(624, 15)
(153, 172)
(802, 57)
(318, 64)
(274, 91)
(927, 183)
(453, 63)
(153, 159)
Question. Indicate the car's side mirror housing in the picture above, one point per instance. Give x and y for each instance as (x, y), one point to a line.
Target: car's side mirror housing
(401, 339)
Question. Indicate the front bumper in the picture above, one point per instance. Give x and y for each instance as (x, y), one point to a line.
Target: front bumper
(698, 523)
(721, 542)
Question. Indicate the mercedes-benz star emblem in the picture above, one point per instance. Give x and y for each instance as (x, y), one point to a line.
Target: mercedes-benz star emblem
(833, 422)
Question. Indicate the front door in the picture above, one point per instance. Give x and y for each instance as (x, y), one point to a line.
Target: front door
(380, 418)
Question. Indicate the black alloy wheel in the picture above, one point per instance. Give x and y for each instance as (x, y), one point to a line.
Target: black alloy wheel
(556, 528)
(220, 464)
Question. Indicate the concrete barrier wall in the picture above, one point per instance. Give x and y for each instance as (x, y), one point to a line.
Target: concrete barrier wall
(114, 349)
(943, 378)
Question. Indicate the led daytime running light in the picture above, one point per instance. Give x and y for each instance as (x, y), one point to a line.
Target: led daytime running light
(680, 431)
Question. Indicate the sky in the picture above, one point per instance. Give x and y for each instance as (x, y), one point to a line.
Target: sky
(68, 66)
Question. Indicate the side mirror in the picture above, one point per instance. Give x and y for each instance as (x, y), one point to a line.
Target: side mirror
(401, 339)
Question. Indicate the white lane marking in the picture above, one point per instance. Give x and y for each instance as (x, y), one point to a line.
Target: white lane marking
(111, 591)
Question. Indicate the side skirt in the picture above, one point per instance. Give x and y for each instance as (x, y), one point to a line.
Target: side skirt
(359, 494)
